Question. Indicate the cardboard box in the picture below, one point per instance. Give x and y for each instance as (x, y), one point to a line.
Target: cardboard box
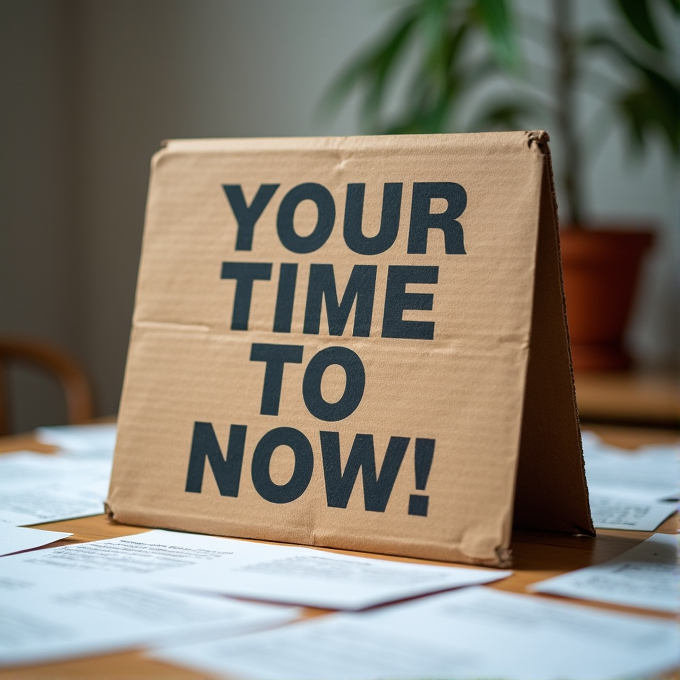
(352, 342)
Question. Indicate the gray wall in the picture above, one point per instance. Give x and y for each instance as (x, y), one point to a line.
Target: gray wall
(89, 88)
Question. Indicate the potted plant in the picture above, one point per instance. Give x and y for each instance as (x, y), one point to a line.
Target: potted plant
(453, 50)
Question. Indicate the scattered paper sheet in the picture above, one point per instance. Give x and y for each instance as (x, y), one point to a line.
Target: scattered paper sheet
(36, 488)
(315, 578)
(59, 603)
(119, 558)
(24, 508)
(472, 633)
(79, 437)
(663, 449)
(647, 576)
(622, 511)
(14, 539)
(27, 468)
(43, 624)
(652, 472)
(627, 488)
(55, 470)
(256, 570)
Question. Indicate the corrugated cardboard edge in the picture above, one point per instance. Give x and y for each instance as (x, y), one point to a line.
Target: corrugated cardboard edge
(502, 555)
(551, 489)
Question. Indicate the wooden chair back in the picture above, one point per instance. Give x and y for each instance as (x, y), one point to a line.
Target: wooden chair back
(55, 362)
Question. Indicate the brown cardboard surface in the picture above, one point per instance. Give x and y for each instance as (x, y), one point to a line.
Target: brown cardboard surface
(464, 388)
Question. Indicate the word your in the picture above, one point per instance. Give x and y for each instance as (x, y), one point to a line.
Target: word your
(422, 219)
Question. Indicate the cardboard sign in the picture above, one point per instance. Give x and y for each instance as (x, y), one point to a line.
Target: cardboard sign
(352, 342)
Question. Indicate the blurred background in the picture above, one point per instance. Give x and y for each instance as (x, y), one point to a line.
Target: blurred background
(89, 89)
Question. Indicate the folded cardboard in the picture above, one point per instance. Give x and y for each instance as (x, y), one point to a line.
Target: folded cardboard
(352, 342)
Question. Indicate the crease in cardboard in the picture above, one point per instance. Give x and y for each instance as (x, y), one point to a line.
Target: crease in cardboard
(173, 326)
(460, 346)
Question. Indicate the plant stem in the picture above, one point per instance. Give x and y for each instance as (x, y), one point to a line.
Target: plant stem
(566, 108)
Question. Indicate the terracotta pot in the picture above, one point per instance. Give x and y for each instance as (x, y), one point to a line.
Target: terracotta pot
(600, 270)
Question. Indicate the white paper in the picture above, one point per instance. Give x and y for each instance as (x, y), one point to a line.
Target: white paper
(646, 576)
(661, 448)
(36, 488)
(627, 488)
(469, 634)
(96, 597)
(79, 437)
(315, 578)
(24, 508)
(649, 473)
(28, 468)
(117, 560)
(621, 511)
(257, 570)
(47, 623)
(14, 539)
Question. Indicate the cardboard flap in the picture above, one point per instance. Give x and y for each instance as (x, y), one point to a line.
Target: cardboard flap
(551, 491)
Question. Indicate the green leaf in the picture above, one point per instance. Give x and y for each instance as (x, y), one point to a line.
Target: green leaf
(503, 115)
(674, 5)
(496, 19)
(454, 46)
(632, 108)
(602, 40)
(385, 65)
(436, 36)
(640, 19)
(653, 106)
(433, 30)
(372, 69)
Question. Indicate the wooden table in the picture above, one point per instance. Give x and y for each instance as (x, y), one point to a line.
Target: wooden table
(537, 556)
(640, 397)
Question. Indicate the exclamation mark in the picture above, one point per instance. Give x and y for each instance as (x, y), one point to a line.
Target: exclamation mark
(417, 503)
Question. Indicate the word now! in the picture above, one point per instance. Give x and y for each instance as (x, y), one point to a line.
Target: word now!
(422, 219)
(377, 486)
